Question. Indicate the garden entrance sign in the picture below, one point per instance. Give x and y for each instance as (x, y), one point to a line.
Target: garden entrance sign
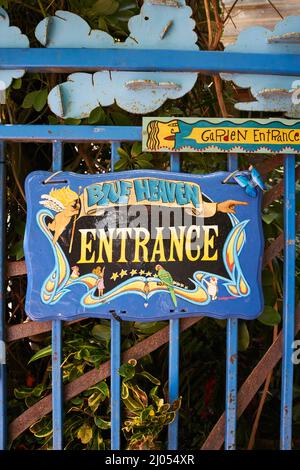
(221, 135)
(142, 246)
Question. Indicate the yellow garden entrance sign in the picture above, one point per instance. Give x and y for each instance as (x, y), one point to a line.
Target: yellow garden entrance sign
(221, 135)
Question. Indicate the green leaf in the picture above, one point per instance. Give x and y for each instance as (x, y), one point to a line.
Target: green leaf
(244, 337)
(77, 401)
(85, 433)
(18, 250)
(150, 377)
(102, 25)
(127, 5)
(72, 122)
(270, 316)
(17, 84)
(136, 149)
(269, 217)
(104, 7)
(20, 227)
(124, 391)
(31, 400)
(267, 278)
(29, 100)
(41, 353)
(100, 442)
(153, 394)
(124, 16)
(269, 295)
(170, 418)
(120, 119)
(101, 332)
(132, 405)
(40, 99)
(221, 323)
(123, 153)
(96, 116)
(121, 164)
(52, 120)
(38, 390)
(102, 387)
(149, 411)
(138, 394)
(21, 393)
(94, 401)
(146, 156)
(144, 164)
(101, 424)
(42, 428)
(74, 373)
(127, 371)
(176, 405)
(149, 327)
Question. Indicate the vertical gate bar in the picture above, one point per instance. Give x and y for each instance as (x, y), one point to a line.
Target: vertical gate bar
(115, 354)
(174, 326)
(3, 398)
(57, 383)
(288, 302)
(231, 361)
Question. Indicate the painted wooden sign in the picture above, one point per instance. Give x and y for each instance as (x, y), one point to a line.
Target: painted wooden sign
(142, 246)
(221, 135)
(272, 93)
(161, 24)
(10, 36)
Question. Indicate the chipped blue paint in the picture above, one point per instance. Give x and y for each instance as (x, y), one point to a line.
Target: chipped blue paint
(10, 36)
(231, 360)
(115, 353)
(272, 93)
(174, 357)
(160, 25)
(3, 367)
(287, 373)
(56, 341)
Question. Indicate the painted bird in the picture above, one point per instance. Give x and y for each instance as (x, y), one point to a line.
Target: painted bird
(167, 280)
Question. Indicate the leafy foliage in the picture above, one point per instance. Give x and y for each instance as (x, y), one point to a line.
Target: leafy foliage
(87, 423)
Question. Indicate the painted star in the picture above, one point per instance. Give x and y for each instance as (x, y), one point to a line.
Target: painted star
(133, 272)
(123, 273)
(155, 275)
(142, 272)
(114, 276)
(148, 273)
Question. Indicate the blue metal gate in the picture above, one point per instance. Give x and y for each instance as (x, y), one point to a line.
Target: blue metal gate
(63, 60)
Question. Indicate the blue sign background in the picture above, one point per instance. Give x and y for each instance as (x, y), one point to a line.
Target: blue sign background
(56, 290)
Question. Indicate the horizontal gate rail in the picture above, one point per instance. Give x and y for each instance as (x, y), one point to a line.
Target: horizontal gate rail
(206, 62)
(44, 133)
